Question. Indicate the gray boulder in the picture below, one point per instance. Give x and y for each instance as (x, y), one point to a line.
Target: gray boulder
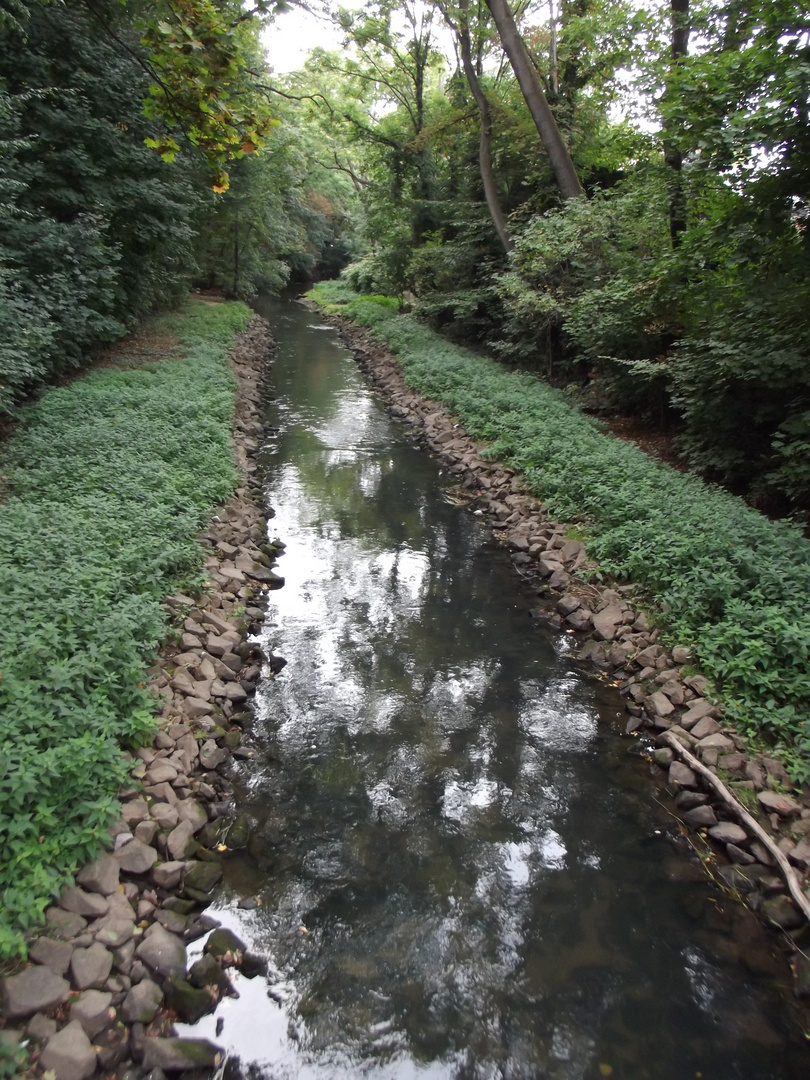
(80, 902)
(116, 933)
(141, 1003)
(54, 954)
(605, 622)
(702, 817)
(181, 840)
(64, 923)
(682, 775)
(167, 875)
(69, 1053)
(100, 876)
(190, 810)
(92, 1010)
(90, 968)
(180, 1055)
(135, 857)
(36, 989)
(162, 952)
(726, 832)
(774, 803)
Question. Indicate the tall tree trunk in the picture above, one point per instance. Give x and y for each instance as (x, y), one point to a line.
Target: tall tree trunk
(484, 150)
(679, 12)
(515, 49)
(425, 219)
(236, 257)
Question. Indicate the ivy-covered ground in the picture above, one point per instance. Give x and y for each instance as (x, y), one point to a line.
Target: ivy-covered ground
(102, 491)
(724, 580)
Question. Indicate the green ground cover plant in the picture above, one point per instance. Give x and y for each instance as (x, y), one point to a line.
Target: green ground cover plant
(727, 582)
(103, 489)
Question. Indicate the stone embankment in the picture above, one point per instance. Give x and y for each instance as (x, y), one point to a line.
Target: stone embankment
(109, 974)
(668, 703)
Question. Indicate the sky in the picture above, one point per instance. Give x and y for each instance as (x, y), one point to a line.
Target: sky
(293, 34)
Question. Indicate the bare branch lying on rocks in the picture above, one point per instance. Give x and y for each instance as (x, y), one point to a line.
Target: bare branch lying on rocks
(750, 823)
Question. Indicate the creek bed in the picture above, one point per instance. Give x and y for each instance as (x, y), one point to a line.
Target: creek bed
(457, 867)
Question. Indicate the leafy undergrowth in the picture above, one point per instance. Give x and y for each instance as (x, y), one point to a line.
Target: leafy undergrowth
(726, 581)
(106, 483)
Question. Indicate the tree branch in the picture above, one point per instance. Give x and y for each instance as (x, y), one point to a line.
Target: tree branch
(747, 820)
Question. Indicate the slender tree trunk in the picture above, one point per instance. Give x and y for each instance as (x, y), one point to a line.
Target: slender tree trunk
(484, 150)
(425, 218)
(236, 258)
(679, 10)
(515, 49)
(555, 84)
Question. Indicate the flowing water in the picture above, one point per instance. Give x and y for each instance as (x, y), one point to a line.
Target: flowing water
(462, 869)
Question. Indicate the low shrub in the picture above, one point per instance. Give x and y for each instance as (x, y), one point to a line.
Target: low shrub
(104, 488)
(727, 581)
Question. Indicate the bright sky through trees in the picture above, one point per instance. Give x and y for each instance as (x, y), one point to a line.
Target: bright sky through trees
(293, 34)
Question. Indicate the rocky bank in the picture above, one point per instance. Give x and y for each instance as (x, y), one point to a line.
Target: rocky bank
(108, 975)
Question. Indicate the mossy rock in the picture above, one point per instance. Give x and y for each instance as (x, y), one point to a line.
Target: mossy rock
(182, 907)
(253, 965)
(239, 833)
(205, 855)
(189, 1002)
(207, 972)
(209, 835)
(201, 879)
(224, 941)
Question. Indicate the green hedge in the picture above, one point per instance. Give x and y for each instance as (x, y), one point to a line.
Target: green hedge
(105, 486)
(728, 582)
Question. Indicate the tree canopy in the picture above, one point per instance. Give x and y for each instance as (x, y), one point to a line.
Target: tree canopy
(612, 196)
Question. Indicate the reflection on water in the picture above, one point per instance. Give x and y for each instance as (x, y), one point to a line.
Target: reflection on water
(461, 872)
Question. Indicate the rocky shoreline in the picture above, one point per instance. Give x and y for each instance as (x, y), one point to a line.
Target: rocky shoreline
(108, 975)
(669, 704)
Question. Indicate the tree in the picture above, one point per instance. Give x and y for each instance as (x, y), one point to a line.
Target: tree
(679, 10)
(283, 214)
(204, 62)
(461, 26)
(399, 66)
(526, 75)
(96, 229)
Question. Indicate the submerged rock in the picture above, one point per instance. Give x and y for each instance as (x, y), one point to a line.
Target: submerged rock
(200, 879)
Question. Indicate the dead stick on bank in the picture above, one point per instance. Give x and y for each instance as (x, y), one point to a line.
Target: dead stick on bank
(748, 821)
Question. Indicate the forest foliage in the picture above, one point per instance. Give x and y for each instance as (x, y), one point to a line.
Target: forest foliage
(147, 147)
(141, 151)
(676, 289)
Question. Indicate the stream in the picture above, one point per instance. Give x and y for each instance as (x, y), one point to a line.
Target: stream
(458, 867)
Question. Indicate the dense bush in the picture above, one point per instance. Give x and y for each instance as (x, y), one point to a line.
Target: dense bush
(588, 289)
(95, 229)
(739, 374)
(726, 580)
(105, 487)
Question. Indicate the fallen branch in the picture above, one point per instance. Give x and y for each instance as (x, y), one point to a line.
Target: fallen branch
(753, 826)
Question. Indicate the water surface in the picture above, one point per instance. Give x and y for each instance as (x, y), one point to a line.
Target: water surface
(462, 868)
